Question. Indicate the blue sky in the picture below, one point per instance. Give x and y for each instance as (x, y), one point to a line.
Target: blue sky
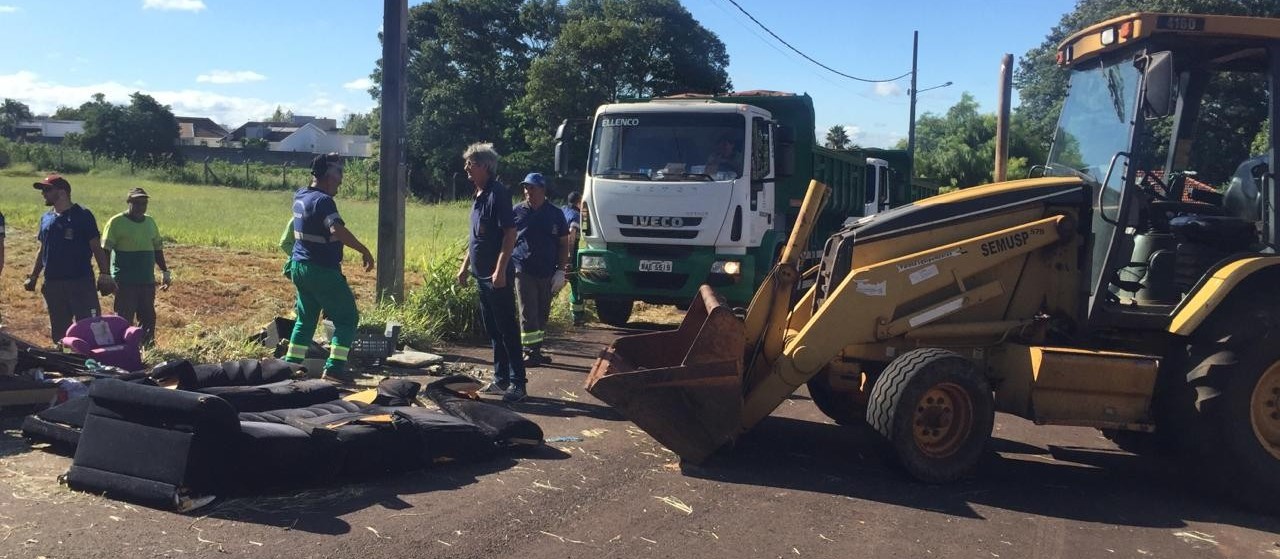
(236, 60)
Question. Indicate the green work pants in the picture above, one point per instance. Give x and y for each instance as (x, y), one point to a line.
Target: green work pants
(321, 288)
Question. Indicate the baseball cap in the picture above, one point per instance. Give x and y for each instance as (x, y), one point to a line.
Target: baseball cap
(135, 193)
(534, 179)
(54, 180)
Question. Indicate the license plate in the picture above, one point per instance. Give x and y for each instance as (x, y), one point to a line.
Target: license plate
(655, 265)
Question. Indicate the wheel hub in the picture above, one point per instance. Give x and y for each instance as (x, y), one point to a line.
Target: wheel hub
(1264, 410)
(942, 420)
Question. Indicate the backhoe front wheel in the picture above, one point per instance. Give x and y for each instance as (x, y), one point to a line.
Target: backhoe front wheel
(1244, 443)
(935, 411)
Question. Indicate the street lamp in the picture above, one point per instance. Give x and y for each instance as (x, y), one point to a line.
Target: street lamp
(911, 126)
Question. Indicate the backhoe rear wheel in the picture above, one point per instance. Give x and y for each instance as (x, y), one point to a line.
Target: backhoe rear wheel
(614, 312)
(936, 412)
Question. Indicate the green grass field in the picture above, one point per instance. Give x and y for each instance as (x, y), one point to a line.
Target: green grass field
(229, 217)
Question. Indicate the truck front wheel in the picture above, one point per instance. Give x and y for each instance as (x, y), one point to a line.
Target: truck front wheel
(614, 312)
(935, 411)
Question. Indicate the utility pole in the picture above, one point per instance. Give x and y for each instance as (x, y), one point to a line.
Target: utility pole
(911, 125)
(391, 185)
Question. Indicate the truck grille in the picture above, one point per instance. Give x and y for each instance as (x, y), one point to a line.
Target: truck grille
(658, 233)
(659, 252)
(657, 280)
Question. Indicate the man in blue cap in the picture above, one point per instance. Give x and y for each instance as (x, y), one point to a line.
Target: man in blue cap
(542, 250)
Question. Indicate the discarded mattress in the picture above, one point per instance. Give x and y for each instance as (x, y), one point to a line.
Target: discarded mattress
(164, 448)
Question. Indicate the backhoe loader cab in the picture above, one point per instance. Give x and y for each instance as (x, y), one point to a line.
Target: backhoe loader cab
(1118, 290)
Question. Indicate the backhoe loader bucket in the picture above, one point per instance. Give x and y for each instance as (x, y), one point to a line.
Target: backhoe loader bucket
(683, 387)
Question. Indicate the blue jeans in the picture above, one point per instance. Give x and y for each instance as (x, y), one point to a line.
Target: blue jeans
(498, 309)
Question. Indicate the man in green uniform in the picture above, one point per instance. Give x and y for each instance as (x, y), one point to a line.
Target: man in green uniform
(133, 239)
(316, 268)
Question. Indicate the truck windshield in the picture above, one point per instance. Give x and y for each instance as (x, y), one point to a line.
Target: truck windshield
(668, 146)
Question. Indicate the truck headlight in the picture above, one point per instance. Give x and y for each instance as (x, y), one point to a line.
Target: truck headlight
(727, 267)
(592, 262)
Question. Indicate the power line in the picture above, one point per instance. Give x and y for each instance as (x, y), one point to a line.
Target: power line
(790, 57)
(807, 57)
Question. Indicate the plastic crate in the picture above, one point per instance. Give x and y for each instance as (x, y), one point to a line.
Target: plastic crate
(370, 347)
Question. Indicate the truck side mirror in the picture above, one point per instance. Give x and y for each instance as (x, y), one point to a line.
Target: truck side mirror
(562, 161)
(1158, 96)
(784, 151)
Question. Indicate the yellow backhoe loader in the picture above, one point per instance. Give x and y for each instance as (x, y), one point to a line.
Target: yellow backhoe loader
(1115, 290)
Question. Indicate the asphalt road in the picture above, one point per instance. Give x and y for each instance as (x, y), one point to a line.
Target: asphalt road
(796, 486)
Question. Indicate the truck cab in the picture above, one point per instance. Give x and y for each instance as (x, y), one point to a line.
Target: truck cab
(676, 193)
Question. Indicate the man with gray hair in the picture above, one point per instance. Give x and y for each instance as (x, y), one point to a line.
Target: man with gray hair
(489, 246)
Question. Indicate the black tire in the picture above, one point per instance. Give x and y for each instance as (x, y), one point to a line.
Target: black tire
(1241, 447)
(845, 407)
(614, 312)
(935, 411)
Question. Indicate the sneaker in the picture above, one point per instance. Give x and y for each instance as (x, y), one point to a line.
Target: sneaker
(497, 388)
(514, 394)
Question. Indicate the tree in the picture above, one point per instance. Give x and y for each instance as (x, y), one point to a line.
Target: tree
(1233, 107)
(144, 132)
(612, 49)
(281, 115)
(958, 148)
(12, 113)
(358, 124)
(837, 137)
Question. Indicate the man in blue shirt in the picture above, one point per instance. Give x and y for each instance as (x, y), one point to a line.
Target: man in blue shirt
(316, 268)
(542, 250)
(489, 246)
(69, 238)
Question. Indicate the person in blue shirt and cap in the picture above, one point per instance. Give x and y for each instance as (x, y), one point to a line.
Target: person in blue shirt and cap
(541, 252)
(316, 268)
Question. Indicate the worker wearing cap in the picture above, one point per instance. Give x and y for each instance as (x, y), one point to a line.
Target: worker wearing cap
(69, 239)
(133, 239)
(541, 251)
(316, 268)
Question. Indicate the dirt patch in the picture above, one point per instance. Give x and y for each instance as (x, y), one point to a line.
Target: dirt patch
(213, 288)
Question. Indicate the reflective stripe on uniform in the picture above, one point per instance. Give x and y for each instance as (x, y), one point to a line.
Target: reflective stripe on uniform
(299, 235)
(528, 338)
(297, 351)
(338, 353)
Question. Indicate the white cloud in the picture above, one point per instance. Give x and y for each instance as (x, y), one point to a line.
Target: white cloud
(45, 97)
(888, 89)
(360, 84)
(8, 9)
(226, 76)
(180, 5)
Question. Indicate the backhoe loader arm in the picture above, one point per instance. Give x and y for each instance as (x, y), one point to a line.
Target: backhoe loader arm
(865, 307)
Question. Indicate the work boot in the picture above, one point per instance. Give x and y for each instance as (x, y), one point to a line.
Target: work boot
(535, 358)
(514, 394)
(496, 388)
(340, 376)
